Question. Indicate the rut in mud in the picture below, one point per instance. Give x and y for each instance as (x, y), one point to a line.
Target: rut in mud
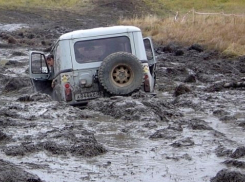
(192, 130)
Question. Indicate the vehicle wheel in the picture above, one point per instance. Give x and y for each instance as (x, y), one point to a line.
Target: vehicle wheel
(121, 73)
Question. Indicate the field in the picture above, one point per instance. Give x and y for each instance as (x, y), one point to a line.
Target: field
(161, 7)
(216, 25)
(42, 4)
(219, 32)
(229, 6)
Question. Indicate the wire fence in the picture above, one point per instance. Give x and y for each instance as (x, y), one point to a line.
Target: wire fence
(195, 16)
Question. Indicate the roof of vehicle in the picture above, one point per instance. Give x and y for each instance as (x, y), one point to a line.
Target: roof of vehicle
(99, 31)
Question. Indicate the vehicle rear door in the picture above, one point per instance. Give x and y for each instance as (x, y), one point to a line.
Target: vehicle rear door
(149, 51)
(38, 68)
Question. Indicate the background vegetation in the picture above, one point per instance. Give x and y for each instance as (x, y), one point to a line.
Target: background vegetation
(220, 27)
(220, 32)
(171, 20)
(229, 6)
(43, 3)
(159, 6)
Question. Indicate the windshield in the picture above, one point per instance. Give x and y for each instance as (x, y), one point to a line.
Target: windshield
(97, 50)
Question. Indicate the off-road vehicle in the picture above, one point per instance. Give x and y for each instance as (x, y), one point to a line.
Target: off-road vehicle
(94, 63)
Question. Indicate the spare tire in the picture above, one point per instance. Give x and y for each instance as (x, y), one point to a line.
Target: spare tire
(121, 73)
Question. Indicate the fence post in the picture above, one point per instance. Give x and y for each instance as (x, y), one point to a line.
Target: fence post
(176, 16)
(193, 13)
(223, 14)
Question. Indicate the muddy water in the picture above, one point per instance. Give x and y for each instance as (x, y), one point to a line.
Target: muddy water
(166, 138)
(11, 27)
(131, 154)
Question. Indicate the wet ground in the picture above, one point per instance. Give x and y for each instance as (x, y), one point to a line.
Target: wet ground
(192, 130)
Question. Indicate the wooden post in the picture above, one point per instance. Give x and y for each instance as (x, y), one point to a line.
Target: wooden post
(176, 16)
(193, 13)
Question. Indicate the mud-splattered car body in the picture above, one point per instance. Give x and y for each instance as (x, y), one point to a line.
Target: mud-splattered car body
(96, 62)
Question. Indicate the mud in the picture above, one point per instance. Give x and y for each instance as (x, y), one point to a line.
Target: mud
(238, 153)
(9, 172)
(191, 130)
(235, 163)
(127, 108)
(226, 175)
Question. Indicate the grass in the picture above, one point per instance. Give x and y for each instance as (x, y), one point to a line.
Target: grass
(55, 4)
(219, 32)
(223, 33)
(229, 6)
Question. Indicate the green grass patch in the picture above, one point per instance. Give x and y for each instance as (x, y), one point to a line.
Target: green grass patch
(44, 3)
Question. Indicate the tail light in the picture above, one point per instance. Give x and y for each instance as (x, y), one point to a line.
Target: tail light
(68, 92)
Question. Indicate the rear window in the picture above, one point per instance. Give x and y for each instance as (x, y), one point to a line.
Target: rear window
(97, 50)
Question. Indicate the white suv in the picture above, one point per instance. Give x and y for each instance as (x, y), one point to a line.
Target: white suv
(94, 63)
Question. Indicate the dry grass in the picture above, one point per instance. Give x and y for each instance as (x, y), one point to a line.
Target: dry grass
(223, 33)
(229, 6)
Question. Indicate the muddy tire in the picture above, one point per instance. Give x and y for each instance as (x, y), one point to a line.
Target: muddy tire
(121, 73)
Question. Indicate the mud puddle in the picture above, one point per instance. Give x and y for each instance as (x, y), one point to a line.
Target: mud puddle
(139, 159)
(184, 154)
(11, 27)
(131, 154)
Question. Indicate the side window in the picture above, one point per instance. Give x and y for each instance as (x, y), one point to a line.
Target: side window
(96, 50)
(38, 64)
(148, 49)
